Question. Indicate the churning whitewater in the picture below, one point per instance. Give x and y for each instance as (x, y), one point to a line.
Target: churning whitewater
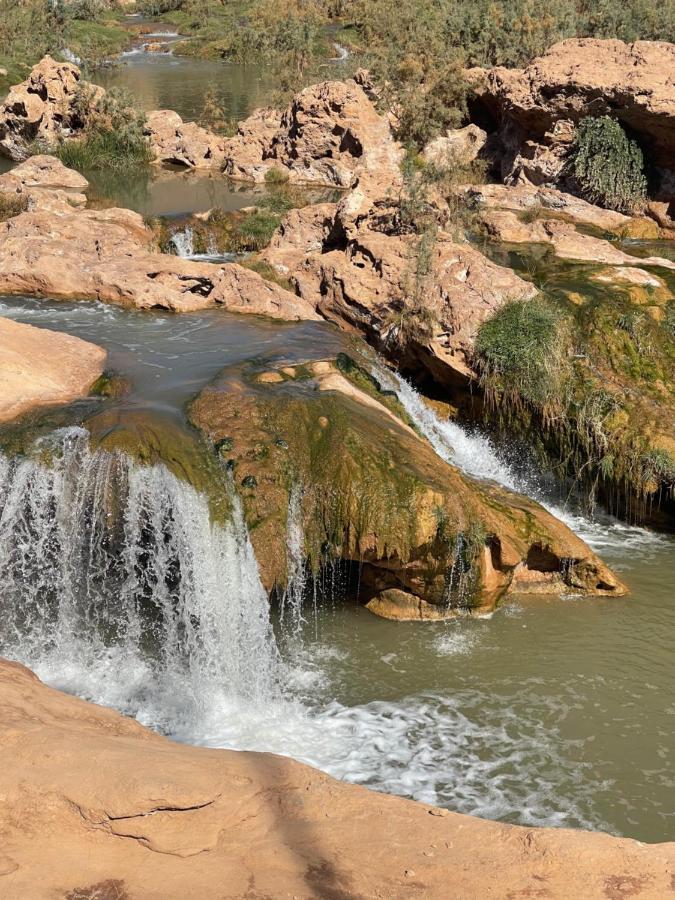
(116, 584)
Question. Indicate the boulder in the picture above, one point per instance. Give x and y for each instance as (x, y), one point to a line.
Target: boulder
(39, 368)
(42, 108)
(330, 134)
(546, 201)
(63, 252)
(164, 821)
(461, 145)
(412, 522)
(540, 106)
(182, 143)
(359, 273)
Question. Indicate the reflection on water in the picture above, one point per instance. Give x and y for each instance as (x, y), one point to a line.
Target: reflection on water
(161, 81)
(169, 191)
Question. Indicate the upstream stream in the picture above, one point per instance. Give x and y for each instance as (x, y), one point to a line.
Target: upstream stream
(554, 712)
(550, 712)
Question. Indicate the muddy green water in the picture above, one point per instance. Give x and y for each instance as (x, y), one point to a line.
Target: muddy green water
(552, 711)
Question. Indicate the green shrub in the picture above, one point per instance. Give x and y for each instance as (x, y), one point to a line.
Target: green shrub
(608, 165)
(521, 353)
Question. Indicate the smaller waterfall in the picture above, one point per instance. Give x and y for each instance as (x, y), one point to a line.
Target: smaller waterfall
(292, 600)
(473, 453)
(183, 241)
(342, 52)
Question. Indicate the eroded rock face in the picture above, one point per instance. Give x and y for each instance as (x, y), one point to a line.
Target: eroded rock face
(357, 271)
(39, 368)
(182, 143)
(57, 250)
(540, 106)
(42, 108)
(415, 524)
(330, 134)
(165, 821)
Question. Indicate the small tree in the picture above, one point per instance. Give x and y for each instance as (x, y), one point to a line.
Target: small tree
(608, 165)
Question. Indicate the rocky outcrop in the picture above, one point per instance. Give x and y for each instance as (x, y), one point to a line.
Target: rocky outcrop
(330, 134)
(45, 183)
(543, 202)
(43, 108)
(40, 368)
(462, 145)
(414, 524)
(182, 143)
(165, 821)
(539, 107)
(359, 270)
(54, 104)
(56, 250)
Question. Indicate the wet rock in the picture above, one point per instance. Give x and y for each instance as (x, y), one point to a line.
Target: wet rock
(401, 606)
(40, 368)
(540, 106)
(182, 143)
(169, 820)
(330, 134)
(429, 541)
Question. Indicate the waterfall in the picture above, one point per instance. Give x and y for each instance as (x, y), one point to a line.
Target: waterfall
(342, 52)
(183, 241)
(291, 602)
(473, 453)
(115, 584)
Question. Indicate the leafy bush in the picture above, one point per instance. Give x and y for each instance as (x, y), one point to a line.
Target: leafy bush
(608, 165)
(521, 353)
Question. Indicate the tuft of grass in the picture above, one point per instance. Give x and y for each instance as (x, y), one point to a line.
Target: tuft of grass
(521, 352)
(103, 148)
(12, 205)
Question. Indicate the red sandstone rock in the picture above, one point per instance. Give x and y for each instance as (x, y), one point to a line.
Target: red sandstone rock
(40, 367)
(157, 820)
(330, 134)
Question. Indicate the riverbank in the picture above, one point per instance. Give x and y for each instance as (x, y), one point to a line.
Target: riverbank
(163, 820)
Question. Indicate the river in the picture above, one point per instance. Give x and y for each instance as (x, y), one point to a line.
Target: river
(551, 711)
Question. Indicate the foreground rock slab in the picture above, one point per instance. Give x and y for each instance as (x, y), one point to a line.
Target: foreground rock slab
(163, 821)
(39, 368)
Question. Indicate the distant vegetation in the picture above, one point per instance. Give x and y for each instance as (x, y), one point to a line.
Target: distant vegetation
(90, 29)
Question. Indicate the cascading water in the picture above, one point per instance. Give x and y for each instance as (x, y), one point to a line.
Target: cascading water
(116, 584)
(475, 454)
(292, 599)
(183, 242)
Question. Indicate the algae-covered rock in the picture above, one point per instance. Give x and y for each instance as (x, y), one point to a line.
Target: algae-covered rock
(374, 493)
